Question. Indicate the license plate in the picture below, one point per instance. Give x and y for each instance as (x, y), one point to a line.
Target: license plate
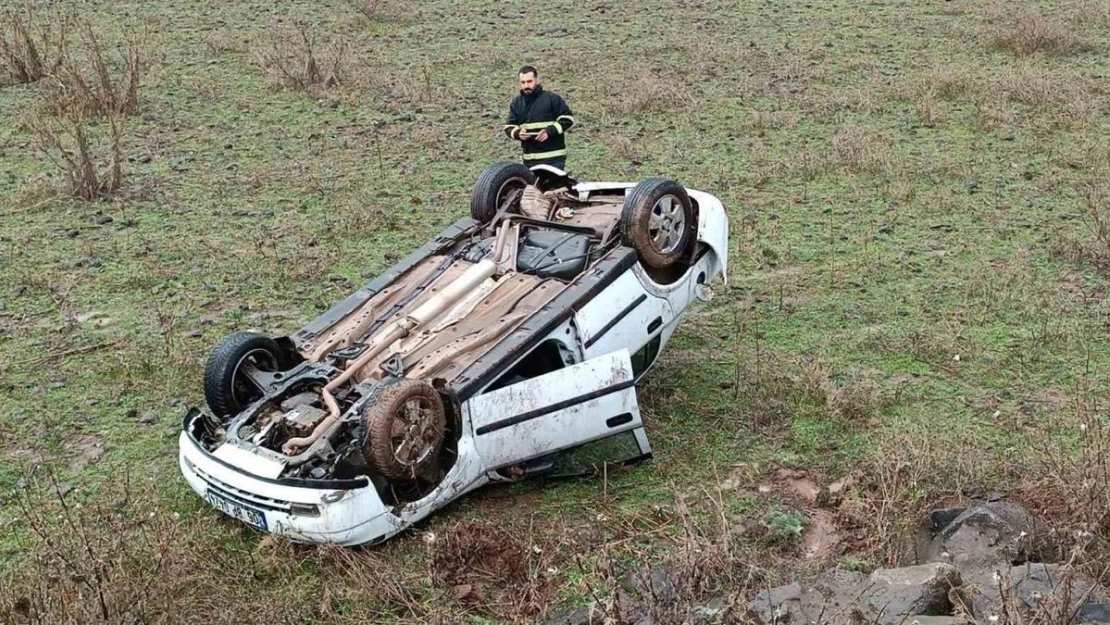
(234, 509)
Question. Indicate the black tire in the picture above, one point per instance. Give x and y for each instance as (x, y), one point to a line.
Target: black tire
(226, 389)
(404, 409)
(494, 187)
(661, 233)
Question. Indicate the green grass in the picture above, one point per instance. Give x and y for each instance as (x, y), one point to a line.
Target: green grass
(870, 245)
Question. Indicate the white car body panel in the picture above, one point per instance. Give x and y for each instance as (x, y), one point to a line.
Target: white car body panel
(619, 317)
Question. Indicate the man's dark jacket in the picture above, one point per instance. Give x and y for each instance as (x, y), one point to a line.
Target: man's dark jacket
(536, 111)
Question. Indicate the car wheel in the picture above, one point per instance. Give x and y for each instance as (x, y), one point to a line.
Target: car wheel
(404, 429)
(499, 186)
(658, 222)
(227, 388)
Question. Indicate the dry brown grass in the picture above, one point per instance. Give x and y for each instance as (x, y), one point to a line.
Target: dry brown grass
(852, 397)
(376, 11)
(858, 150)
(645, 92)
(1033, 33)
(1094, 13)
(930, 91)
(31, 48)
(296, 60)
(1095, 251)
(907, 475)
(1074, 458)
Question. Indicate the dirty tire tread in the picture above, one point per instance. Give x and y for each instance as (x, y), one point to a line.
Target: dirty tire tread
(378, 419)
(220, 368)
(483, 198)
(637, 211)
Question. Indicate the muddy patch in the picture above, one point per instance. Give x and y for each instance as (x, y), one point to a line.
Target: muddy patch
(76, 454)
(83, 450)
(795, 485)
(822, 538)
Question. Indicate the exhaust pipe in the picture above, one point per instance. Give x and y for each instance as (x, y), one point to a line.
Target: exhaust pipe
(422, 316)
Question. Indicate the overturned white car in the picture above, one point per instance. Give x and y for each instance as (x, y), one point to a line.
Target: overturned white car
(507, 346)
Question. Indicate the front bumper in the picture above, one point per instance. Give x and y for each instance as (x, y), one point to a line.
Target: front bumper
(339, 516)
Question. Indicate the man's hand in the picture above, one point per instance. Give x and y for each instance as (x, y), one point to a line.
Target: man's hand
(542, 136)
(524, 135)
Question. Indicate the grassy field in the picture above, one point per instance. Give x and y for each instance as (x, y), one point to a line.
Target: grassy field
(920, 208)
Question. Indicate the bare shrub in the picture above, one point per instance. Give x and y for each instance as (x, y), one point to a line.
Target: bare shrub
(295, 60)
(89, 157)
(30, 49)
(80, 126)
(89, 563)
(1095, 201)
(1033, 34)
(95, 86)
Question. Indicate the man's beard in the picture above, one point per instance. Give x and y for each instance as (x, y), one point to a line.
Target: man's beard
(528, 90)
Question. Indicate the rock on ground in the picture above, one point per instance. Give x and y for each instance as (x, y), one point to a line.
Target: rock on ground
(886, 597)
(984, 535)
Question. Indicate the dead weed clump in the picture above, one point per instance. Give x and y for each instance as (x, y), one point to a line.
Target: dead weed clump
(1073, 457)
(851, 149)
(30, 48)
(296, 60)
(89, 157)
(851, 398)
(929, 91)
(1053, 101)
(645, 93)
(890, 493)
(1033, 33)
(1094, 252)
(92, 563)
(492, 568)
(376, 11)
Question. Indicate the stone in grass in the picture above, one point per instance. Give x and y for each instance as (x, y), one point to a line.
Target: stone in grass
(886, 597)
(989, 534)
(148, 418)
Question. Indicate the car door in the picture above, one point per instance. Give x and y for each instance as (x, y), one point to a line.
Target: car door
(556, 411)
(623, 315)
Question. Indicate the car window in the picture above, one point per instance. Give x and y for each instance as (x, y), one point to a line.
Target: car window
(545, 358)
(643, 357)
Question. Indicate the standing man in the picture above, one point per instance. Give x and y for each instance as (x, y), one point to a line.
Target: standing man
(539, 119)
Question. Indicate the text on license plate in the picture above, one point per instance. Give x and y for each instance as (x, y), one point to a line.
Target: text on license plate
(250, 516)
